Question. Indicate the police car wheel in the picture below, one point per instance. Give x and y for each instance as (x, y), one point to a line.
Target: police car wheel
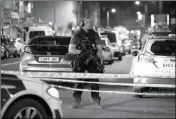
(26, 108)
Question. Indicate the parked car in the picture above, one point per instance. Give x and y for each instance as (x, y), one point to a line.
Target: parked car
(10, 49)
(114, 47)
(19, 44)
(2, 52)
(127, 46)
(107, 56)
(156, 58)
(22, 97)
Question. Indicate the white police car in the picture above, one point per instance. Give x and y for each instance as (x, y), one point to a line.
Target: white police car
(25, 98)
(156, 58)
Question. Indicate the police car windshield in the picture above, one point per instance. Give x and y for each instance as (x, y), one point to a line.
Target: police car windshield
(164, 47)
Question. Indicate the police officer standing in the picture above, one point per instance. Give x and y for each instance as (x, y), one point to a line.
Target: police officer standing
(85, 31)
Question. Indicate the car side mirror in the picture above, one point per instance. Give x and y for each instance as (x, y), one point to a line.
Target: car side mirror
(135, 52)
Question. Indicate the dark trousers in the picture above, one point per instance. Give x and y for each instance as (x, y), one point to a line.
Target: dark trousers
(91, 68)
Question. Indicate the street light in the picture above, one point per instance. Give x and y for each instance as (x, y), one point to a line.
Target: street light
(139, 17)
(113, 11)
(50, 23)
(138, 12)
(137, 2)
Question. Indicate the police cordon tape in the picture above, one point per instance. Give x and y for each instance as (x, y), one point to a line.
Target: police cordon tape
(107, 83)
(81, 75)
(100, 91)
(117, 92)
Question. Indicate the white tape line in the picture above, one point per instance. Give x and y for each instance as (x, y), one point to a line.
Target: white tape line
(10, 72)
(118, 92)
(8, 87)
(111, 92)
(101, 83)
(92, 75)
(9, 64)
(80, 75)
(107, 83)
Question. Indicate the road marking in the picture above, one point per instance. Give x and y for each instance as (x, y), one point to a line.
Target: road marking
(9, 64)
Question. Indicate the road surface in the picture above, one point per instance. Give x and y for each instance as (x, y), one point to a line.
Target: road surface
(114, 106)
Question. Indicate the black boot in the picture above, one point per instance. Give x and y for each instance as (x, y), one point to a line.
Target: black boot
(97, 104)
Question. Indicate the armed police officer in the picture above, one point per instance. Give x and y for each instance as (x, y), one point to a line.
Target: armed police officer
(86, 33)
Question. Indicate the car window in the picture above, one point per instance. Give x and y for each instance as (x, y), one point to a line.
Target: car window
(163, 48)
(50, 44)
(63, 40)
(51, 40)
(33, 34)
(110, 36)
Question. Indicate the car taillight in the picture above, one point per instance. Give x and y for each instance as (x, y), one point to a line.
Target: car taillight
(144, 58)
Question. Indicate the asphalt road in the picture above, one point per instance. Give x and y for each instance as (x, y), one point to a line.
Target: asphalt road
(114, 106)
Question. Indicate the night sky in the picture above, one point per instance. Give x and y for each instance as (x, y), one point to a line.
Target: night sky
(129, 9)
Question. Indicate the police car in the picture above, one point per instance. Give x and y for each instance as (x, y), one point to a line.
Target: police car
(25, 98)
(156, 58)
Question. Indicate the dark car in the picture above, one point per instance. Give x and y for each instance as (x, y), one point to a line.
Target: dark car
(9, 47)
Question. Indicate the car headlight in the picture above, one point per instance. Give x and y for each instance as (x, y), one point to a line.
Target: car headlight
(53, 92)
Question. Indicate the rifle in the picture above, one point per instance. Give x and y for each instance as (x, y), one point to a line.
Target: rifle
(90, 51)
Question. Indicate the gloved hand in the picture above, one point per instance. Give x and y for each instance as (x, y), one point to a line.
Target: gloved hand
(83, 53)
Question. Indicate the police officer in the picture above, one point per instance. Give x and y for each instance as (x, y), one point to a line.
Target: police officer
(85, 31)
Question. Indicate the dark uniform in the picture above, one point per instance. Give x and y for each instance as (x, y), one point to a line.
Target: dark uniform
(91, 68)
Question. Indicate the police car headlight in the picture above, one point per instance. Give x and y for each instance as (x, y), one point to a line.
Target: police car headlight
(53, 92)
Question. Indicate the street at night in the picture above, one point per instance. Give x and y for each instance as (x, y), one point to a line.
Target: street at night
(114, 105)
(87, 59)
